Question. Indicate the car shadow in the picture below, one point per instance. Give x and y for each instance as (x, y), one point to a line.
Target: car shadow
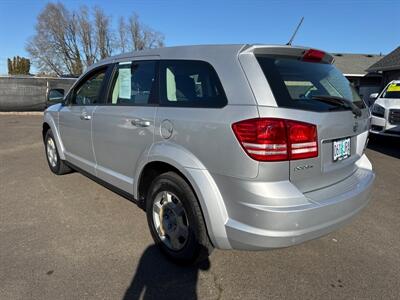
(158, 278)
(385, 145)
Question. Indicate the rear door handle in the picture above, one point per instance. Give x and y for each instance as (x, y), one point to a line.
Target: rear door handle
(140, 123)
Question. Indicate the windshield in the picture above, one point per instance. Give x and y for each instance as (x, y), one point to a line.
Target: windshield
(392, 91)
(297, 83)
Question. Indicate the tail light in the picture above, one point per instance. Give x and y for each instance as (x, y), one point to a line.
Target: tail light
(270, 139)
(302, 138)
(313, 55)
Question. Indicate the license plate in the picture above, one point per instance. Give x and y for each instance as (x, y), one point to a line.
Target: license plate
(341, 149)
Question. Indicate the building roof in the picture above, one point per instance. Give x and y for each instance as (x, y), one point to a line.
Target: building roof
(387, 63)
(355, 64)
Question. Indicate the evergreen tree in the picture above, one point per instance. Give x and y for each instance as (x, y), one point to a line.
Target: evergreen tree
(18, 66)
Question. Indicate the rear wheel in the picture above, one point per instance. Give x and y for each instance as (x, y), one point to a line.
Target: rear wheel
(57, 166)
(175, 220)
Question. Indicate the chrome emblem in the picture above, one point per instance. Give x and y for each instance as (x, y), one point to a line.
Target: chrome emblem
(305, 167)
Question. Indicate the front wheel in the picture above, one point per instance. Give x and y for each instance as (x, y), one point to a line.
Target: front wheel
(57, 166)
(175, 220)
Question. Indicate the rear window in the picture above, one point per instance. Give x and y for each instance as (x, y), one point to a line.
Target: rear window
(296, 84)
(392, 91)
(134, 83)
(191, 84)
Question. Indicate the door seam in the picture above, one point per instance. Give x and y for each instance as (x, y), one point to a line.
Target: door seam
(91, 141)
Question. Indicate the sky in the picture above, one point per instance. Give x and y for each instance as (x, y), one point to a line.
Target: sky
(344, 26)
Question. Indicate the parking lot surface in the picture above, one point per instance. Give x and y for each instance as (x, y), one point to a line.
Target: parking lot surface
(67, 237)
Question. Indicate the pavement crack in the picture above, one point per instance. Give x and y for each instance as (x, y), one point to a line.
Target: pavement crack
(217, 285)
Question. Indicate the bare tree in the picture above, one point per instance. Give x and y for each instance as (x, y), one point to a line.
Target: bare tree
(142, 36)
(104, 35)
(46, 59)
(135, 30)
(86, 36)
(151, 38)
(123, 39)
(55, 45)
(72, 42)
(67, 41)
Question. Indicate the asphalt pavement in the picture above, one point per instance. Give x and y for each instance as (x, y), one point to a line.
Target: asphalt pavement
(67, 237)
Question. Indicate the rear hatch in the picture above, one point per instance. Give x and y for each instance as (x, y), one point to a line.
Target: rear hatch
(307, 87)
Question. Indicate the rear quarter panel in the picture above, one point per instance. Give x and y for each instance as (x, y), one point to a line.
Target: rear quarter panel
(207, 135)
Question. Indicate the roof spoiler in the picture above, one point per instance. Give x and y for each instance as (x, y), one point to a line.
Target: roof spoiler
(280, 50)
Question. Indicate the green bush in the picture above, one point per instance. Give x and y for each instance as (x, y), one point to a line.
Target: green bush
(18, 66)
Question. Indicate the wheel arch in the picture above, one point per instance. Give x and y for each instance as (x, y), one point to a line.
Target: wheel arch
(175, 158)
(49, 123)
(45, 128)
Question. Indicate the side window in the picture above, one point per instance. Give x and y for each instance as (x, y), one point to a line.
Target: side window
(88, 91)
(134, 83)
(190, 83)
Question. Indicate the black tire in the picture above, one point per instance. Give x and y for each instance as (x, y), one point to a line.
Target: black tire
(59, 167)
(197, 246)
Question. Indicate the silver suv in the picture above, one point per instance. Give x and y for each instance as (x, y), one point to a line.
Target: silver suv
(228, 146)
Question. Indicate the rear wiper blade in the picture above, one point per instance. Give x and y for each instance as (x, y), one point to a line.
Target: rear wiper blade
(340, 102)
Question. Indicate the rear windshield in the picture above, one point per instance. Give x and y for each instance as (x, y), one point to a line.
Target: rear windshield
(297, 84)
(392, 91)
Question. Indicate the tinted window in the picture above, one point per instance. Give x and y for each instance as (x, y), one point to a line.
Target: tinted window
(297, 84)
(392, 91)
(133, 83)
(190, 83)
(88, 91)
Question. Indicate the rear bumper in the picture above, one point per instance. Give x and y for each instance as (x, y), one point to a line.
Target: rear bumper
(257, 226)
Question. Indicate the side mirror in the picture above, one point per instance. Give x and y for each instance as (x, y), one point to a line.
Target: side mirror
(55, 96)
(374, 95)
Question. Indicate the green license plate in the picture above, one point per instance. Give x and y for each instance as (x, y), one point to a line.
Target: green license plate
(341, 149)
